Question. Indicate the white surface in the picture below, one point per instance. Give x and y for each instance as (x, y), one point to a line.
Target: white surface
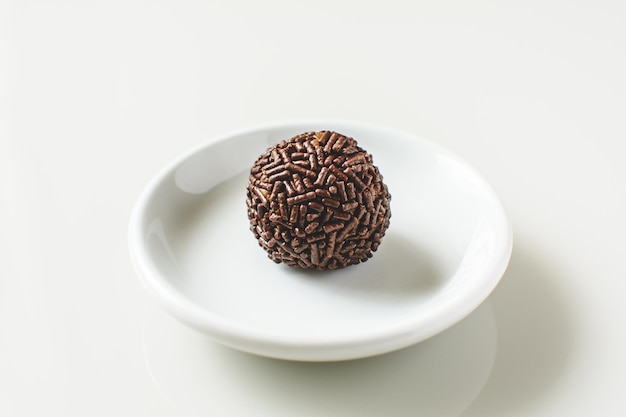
(96, 97)
(447, 250)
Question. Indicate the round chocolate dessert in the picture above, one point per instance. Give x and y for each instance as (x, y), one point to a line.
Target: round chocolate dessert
(316, 201)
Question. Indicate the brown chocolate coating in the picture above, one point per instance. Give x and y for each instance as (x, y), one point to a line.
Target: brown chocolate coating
(316, 201)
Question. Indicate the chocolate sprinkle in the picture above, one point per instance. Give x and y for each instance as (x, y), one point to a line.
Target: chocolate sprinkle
(317, 201)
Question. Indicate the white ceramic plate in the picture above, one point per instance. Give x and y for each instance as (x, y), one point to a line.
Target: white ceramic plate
(446, 249)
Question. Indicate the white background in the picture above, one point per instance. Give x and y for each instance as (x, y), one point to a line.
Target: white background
(95, 97)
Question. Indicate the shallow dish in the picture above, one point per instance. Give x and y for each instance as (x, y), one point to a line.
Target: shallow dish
(446, 249)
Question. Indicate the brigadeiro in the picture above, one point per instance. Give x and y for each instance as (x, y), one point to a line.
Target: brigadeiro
(317, 201)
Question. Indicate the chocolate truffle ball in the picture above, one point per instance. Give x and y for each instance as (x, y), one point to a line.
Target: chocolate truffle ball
(316, 201)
